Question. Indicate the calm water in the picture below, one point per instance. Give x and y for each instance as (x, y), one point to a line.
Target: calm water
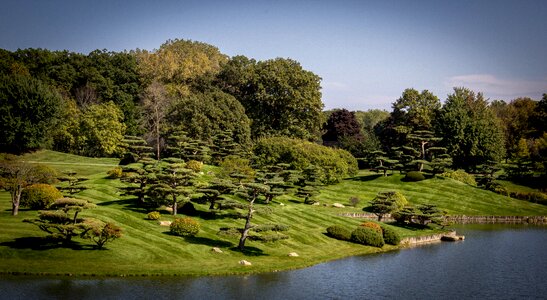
(494, 262)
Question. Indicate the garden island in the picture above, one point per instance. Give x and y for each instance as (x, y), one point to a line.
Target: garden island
(184, 161)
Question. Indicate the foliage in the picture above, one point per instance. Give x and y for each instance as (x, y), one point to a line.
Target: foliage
(155, 104)
(102, 130)
(341, 124)
(414, 176)
(194, 165)
(63, 223)
(171, 184)
(387, 202)
(236, 167)
(460, 175)
(205, 114)
(135, 149)
(184, 227)
(153, 215)
(271, 227)
(28, 109)
(338, 232)
(411, 112)
(471, 132)
(391, 236)
(74, 183)
(16, 175)
(115, 173)
(332, 164)
(372, 225)
(39, 196)
(367, 236)
(102, 234)
(420, 215)
(179, 64)
(279, 96)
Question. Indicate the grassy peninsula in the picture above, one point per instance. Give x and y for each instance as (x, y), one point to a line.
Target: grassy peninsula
(146, 248)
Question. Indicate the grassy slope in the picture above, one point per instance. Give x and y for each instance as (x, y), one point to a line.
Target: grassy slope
(147, 248)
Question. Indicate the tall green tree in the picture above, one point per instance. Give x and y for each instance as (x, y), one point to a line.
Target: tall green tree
(279, 96)
(101, 130)
(204, 114)
(28, 109)
(471, 132)
(411, 112)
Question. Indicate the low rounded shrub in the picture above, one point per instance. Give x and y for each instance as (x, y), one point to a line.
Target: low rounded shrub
(367, 236)
(153, 215)
(461, 176)
(194, 165)
(39, 196)
(184, 227)
(391, 237)
(339, 233)
(115, 173)
(414, 176)
(373, 225)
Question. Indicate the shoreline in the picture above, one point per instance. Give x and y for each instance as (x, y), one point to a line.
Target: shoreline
(463, 219)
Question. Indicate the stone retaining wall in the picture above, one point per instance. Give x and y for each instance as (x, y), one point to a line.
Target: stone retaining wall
(540, 220)
(410, 241)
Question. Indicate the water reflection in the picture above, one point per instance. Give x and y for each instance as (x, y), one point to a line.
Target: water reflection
(489, 264)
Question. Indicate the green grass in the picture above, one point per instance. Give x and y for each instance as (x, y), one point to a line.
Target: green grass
(147, 248)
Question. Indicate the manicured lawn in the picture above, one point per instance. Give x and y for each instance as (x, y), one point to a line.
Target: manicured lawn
(148, 249)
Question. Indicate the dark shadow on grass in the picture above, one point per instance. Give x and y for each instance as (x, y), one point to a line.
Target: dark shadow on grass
(250, 251)
(130, 204)
(296, 201)
(365, 177)
(412, 227)
(207, 242)
(44, 243)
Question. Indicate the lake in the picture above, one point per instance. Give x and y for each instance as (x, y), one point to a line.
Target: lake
(494, 262)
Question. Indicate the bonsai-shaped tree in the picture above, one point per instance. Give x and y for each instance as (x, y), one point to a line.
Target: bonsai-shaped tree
(63, 223)
(172, 182)
(387, 202)
(74, 183)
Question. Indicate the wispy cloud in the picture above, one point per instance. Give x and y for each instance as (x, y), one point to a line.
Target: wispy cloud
(499, 88)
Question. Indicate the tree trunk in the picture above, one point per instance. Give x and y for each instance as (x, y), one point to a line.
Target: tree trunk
(15, 201)
(247, 227)
(174, 206)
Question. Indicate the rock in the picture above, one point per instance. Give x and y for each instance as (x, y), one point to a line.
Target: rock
(245, 263)
(339, 205)
(452, 238)
(293, 254)
(165, 223)
(216, 250)
(281, 204)
(316, 203)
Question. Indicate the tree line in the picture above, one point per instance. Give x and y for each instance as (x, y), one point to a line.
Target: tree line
(88, 104)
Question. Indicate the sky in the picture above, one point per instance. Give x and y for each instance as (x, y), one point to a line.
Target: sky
(366, 52)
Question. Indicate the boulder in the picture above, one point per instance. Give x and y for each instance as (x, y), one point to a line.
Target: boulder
(338, 205)
(316, 203)
(216, 250)
(165, 223)
(293, 254)
(245, 263)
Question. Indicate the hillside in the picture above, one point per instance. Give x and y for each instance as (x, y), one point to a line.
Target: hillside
(148, 248)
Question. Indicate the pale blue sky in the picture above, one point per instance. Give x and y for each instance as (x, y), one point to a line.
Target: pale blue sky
(367, 52)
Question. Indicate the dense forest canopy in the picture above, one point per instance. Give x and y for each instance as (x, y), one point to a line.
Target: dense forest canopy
(88, 103)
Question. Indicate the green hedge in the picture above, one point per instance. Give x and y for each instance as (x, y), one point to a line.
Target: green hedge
(460, 175)
(414, 176)
(184, 227)
(391, 237)
(333, 164)
(39, 196)
(367, 236)
(339, 233)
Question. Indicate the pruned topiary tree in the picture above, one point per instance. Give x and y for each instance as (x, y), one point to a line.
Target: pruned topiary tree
(387, 202)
